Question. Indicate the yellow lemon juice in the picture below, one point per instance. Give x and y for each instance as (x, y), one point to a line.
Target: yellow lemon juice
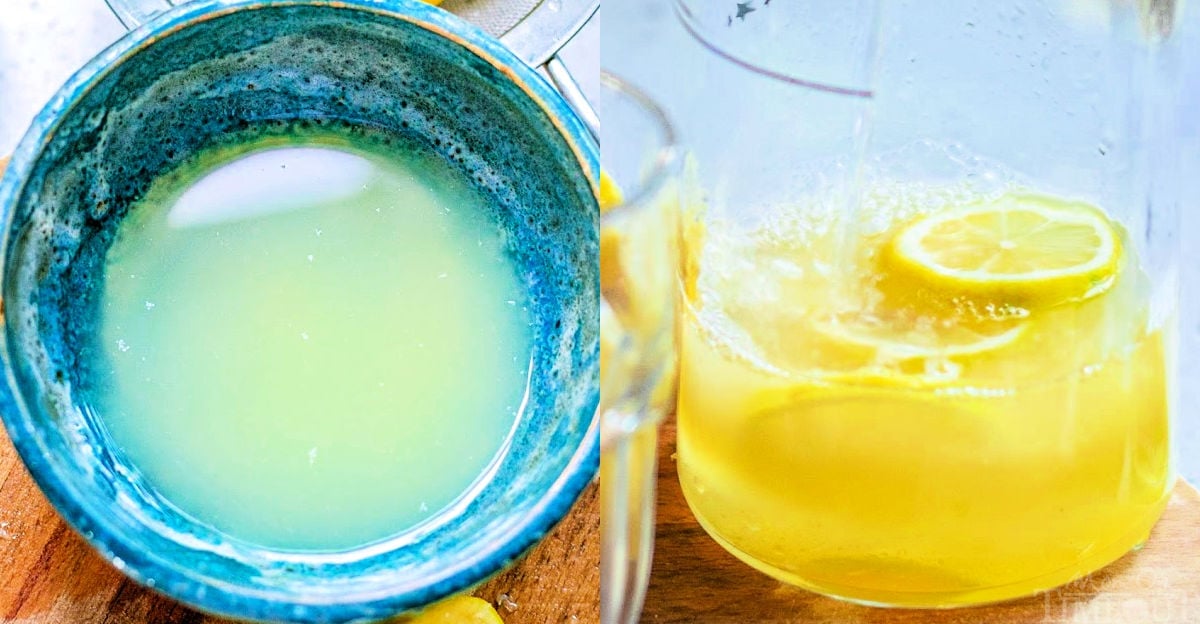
(311, 347)
(953, 405)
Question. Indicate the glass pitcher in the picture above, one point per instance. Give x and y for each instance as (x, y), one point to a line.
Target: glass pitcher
(928, 333)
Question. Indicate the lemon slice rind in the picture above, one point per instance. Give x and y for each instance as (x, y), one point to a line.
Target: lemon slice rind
(898, 349)
(910, 251)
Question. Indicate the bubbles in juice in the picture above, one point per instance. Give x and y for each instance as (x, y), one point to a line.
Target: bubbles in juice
(955, 403)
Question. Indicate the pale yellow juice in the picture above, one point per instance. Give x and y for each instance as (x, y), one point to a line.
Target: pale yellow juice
(854, 422)
(314, 346)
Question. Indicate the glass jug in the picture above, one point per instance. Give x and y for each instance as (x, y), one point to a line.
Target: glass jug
(928, 332)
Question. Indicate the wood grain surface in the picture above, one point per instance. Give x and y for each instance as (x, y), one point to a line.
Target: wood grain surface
(695, 581)
(48, 574)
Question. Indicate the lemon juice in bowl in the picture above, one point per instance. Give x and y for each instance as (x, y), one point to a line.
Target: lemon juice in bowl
(972, 406)
(291, 321)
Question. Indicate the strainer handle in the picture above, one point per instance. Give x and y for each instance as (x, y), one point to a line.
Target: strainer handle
(134, 13)
(569, 88)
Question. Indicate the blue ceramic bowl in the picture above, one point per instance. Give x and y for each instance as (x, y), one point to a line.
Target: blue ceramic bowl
(189, 79)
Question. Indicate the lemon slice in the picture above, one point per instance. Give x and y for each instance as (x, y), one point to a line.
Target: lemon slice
(459, 610)
(881, 343)
(1022, 249)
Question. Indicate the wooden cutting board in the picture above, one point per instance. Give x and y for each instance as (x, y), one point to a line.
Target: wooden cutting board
(48, 574)
(695, 581)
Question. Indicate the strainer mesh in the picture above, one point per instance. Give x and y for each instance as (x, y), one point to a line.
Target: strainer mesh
(496, 17)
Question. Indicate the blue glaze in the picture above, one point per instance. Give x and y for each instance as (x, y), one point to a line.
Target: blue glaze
(212, 69)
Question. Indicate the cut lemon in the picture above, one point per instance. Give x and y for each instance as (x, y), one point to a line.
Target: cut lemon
(610, 238)
(1028, 250)
(610, 193)
(459, 610)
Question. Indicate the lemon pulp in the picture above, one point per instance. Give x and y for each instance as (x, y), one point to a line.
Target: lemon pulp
(934, 417)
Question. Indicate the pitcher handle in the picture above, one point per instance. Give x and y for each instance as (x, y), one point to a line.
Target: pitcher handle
(569, 88)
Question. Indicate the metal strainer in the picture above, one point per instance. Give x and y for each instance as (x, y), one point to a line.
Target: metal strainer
(534, 29)
(496, 17)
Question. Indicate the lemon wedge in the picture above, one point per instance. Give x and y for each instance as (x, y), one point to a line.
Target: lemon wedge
(459, 610)
(1023, 249)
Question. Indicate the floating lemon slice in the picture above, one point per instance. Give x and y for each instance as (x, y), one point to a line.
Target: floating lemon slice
(881, 343)
(459, 610)
(1026, 250)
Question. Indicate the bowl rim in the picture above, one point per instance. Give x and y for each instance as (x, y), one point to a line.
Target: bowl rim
(551, 506)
